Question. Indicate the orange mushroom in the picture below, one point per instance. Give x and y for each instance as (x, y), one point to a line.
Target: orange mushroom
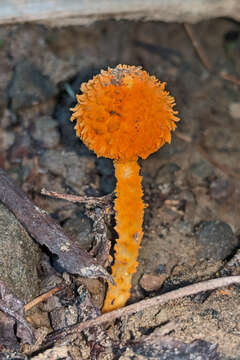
(122, 114)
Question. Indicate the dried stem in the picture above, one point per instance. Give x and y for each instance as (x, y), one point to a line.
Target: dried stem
(203, 57)
(230, 78)
(41, 298)
(88, 200)
(197, 46)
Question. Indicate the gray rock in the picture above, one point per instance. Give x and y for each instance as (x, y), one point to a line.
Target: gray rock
(45, 131)
(80, 228)
(19, 256)
(107, 178)
(168, 348)
(6, 139)
(202, 169)
(69, 138)
(7, 119)
(215, 240)
(75, 169)
(22, 147)
(29, 86)
(221, 188)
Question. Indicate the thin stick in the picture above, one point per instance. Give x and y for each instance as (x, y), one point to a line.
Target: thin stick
(145, 304)
(184, 137)
(230, 78)
(41, 298)
(92, 201)
(203, 57)
(197, 46)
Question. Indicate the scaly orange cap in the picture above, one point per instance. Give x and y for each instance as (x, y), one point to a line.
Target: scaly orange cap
(124, 113)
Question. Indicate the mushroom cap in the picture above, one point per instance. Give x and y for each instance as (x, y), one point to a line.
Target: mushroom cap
(124, 113)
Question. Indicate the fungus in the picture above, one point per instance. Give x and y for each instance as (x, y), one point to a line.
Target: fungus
(123, 114)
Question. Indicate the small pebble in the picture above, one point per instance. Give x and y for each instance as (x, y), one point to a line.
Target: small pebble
(6, 139)
(45, 131)
(7, 119)
(75, 169)
(152, 282)
(21, 148)
(220, 188)
(80, 228)
(234, 110)
(29, 86)
(216, 240)
(161, 269)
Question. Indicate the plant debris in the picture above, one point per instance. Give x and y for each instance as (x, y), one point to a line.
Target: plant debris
(146, 304)
(193, 182)
(47, 232)
(13, 308)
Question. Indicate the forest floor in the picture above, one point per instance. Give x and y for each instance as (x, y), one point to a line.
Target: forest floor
(191, 225)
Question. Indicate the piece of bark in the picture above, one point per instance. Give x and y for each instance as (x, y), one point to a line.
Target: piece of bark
(47, 232)
(84, 12)
(13, 308)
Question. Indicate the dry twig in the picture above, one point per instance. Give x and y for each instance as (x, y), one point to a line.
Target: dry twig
(41, 298)
(197, 47)
(88, 200)
(203, 57)
(230, 78)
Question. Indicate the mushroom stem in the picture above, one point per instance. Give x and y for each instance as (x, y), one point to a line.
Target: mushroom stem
(129, 208)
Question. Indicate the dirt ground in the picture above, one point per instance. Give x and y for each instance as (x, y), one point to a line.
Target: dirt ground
(191, 225)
